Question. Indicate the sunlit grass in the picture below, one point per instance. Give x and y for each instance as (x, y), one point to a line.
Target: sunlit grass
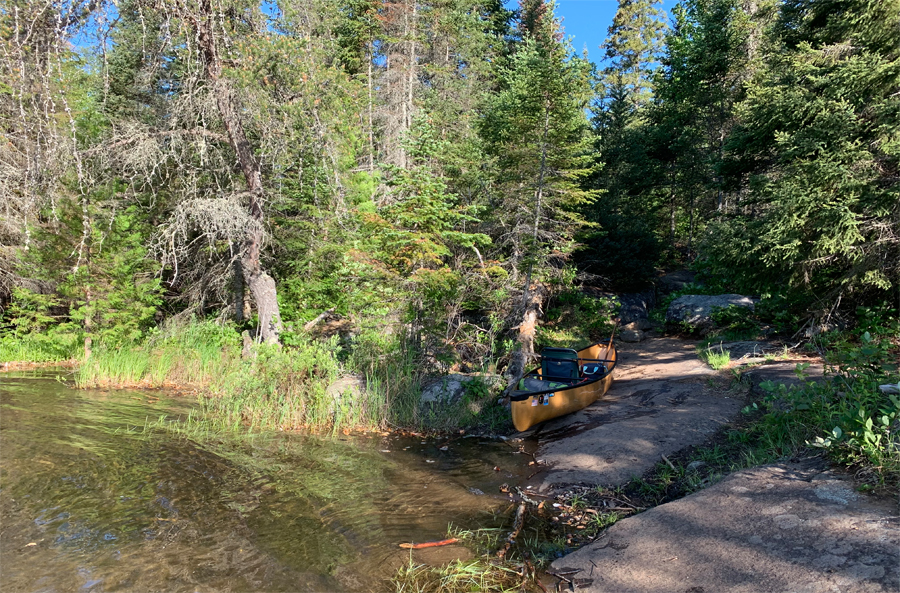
(37, 347)
(463, 576)
(716, 359)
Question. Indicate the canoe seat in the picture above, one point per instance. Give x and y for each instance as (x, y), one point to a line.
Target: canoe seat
(593, 369)
(559, 363)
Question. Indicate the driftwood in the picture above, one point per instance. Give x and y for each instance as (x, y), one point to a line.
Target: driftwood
(443, 542)
(517, 527)
(318, 319)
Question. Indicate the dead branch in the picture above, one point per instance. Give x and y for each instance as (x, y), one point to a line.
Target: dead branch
(517, 527)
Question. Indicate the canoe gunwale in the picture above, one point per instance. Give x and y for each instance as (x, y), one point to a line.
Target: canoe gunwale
(517, 396)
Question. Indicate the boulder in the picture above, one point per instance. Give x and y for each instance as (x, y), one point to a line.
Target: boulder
(631, 335)
(350, 387)
(696, 309)
(675, 281)
(639, 325)
(451, 388)
(635, 308)
(630, 307)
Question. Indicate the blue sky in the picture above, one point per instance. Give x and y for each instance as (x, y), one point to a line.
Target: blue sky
(586, 21)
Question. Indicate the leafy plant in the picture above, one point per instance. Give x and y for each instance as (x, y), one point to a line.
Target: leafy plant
(847, 415)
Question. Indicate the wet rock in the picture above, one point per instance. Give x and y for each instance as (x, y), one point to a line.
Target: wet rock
(696, 310)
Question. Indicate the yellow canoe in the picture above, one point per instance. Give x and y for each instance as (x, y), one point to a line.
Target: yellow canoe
(566, 382)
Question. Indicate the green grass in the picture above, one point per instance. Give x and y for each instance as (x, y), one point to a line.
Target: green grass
(190, 355)
(480, 574)
(287, 388)
(40, 347)
(716, 359)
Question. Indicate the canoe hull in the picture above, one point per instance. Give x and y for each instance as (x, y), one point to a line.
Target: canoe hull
(525, 414)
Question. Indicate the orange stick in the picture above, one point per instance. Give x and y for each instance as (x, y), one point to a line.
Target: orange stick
(443, 542)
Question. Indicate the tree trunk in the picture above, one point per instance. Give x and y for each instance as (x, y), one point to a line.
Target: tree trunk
(524, 355)
(240, 291)
(262, 286)
(672, 220)
(531, 300)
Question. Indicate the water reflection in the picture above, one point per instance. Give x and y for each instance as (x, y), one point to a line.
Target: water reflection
(89, 500)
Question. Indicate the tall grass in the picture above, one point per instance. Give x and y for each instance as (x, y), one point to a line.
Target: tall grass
(185, 355)
(288, 388)
(279, 388)
(40, 347)
(394, 376)
(715, 359)
(462, 576)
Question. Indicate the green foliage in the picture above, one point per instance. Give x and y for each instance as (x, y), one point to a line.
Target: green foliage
(105, 281)
(715, 359)
(632, 47)
(847, 415)
(537, 133)
(576, 319)
(52, 346)
(284, 389)
(194, 354)
(461, 576)
(33, 331)
(735, 322)
(818, 142)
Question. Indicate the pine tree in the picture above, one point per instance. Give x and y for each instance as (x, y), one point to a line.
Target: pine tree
(632, 48)
(624, 248)
(705, 63)
(538, 134)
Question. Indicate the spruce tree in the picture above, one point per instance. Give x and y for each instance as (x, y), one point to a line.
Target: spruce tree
(537, 132)
(624, 249)
(818, 145)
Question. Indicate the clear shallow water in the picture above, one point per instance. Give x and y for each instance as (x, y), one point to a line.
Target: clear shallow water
(89, 501)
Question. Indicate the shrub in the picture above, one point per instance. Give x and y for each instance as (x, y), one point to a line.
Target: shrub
(846, 415)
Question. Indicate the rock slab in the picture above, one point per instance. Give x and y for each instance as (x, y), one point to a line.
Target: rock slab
(452, 387)
(659, 403)
(795, 527)
(696, 309)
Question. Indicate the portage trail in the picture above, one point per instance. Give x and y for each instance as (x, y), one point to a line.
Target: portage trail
(662, 400)
(793, 525)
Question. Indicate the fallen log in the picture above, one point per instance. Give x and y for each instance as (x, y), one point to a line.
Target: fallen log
(311, 324)
(517, 527)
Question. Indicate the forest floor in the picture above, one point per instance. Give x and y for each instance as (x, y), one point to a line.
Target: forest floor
(793, 525)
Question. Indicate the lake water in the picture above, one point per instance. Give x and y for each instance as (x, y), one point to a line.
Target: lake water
(90, 500)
